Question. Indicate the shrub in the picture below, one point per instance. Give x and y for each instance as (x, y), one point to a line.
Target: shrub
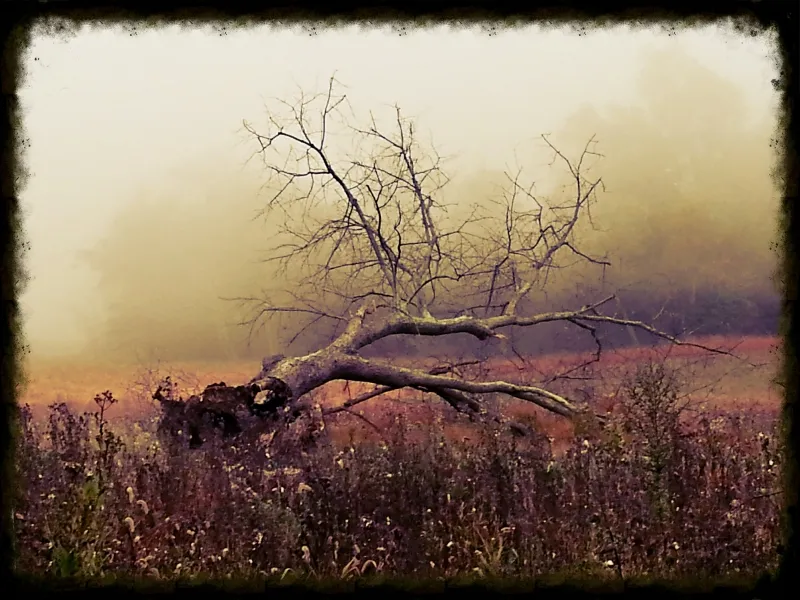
(641, 495)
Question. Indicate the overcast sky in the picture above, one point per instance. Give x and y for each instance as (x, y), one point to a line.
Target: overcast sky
(110, 115)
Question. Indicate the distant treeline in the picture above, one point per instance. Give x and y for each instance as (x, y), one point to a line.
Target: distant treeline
(700, 313)
(688, 220)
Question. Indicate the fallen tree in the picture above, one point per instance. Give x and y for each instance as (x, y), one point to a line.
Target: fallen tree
(377, 243)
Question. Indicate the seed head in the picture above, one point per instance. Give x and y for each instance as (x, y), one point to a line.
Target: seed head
(129, 522)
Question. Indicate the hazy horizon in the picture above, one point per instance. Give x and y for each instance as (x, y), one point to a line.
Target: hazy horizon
(139, 209)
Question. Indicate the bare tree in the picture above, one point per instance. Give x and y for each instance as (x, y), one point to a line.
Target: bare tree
(370, 235)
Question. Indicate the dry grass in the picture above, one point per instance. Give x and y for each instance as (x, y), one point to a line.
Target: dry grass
(732, 386)
(100, 495)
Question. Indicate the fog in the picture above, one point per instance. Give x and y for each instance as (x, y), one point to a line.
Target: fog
(143, 211)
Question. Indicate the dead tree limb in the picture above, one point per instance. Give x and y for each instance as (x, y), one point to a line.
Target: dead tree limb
(378, 255)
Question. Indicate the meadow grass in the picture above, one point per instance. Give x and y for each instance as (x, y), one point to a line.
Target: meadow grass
(642, 495)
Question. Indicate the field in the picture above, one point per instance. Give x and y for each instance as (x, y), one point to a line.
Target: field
(416, 491)
(732, 385)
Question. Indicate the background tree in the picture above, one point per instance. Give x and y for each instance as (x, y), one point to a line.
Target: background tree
(691, 157)
(684, 153)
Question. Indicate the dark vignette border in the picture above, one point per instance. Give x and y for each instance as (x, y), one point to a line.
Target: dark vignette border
(16, 18)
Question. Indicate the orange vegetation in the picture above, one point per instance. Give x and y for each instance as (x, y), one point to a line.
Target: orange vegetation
(732, 384)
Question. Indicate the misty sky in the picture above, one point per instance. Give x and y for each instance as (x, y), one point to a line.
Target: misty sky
(113, 116)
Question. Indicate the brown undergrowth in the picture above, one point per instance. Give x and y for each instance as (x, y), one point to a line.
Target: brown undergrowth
(654, 491)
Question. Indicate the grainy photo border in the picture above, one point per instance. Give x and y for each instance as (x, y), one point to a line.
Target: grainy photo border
(65, 18)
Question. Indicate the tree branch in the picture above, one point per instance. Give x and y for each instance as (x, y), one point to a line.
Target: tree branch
(355, 368)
